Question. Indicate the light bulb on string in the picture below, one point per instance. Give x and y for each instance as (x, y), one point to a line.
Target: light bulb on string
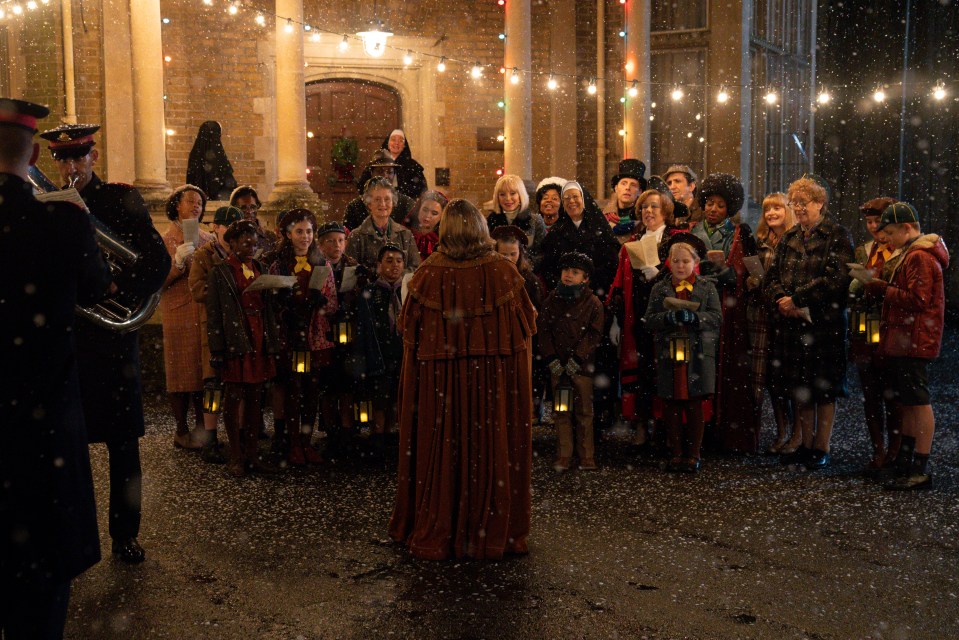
(502, 36)
(591, 87)
(939, 92)
(879, 95)
(551, 84)
(501, 104)
(622, 33)
(408, 58)
(16, 9)
(823, 97)
(652, 105)
(501, 138)
(622, 99)
(771, 97)
(289, 26)
(501, 2)
(723, 96)
(514, 75)
(307, 27)
(677, 94)
(260, 19)
(344, 43)
(316, 36)
(633, 91)
(374, 39)
(163, 20)
(208, 3)
(622, 132)
(441, 65)
(32, 5)
(233, 9)
(477, 71)
(500, 172)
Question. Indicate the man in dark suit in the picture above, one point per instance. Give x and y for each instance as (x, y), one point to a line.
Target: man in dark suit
(51, 263)
(109, 360)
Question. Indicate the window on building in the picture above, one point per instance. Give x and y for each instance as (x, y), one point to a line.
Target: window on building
(677, 15)
(678, 127)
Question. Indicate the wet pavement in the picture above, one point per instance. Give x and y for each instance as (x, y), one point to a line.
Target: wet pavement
(745, 549)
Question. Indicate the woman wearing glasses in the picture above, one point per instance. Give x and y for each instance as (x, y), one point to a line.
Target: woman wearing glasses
(246, 200)
(808, 285)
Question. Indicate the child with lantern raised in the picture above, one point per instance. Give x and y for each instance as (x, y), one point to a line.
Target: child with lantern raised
(570, 328)
(684, 315)
(305, 327)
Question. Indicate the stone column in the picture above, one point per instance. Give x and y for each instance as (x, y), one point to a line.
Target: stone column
(292, 188)
(118, 112)
(636, 62)
(149, 138)
(518, 156)
(562, 137)
(729, 146)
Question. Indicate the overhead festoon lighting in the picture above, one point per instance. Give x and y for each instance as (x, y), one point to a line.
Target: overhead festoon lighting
(344, 43)
(879, 95)
(824, 97)
(633, 90)
(551, 84)
(374, 39)
(723, 96)
(408, 58)
(591, 87)
(677, 94)
(289, 26)
(441, 65)
(477, 71)
(771, 97)
(514, 75)
(939, 91)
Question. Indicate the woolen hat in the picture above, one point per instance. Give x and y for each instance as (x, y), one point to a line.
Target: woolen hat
(681, 168)
(898, 213)
(227, 215)
(576, 260)
(726, 186)
(553, 182)
(630, 168)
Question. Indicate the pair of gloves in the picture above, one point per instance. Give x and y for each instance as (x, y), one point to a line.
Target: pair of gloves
(557, 368)
(183, 253)
(682, 317)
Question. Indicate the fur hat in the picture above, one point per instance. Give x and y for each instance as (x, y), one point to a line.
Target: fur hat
(630, 168)
(576, 260)
(726, 186)
(553, 182)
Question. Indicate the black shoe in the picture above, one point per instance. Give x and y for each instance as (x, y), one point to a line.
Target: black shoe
(799, 456)
(129, 551)
(915, 482)
(817, 459)
(212, 453)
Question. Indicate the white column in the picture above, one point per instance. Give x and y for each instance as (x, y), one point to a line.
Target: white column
(518, 156)
(637, 68)
(292, 187)
(149, 139)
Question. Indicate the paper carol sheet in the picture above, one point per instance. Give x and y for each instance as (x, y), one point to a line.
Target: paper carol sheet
(650, 251)
(349, 280)
(637, 256)
(405, 286)
(269, 281)
(755, 266)
(675, 304)
(859, 272)
(804, 314)
(191, 231)
(319, 277)
(63, 195)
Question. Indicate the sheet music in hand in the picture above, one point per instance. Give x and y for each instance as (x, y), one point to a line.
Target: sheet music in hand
(191, 231)
(319, 277)
(859, 272)
(755, 266)
(63, 195)
(349, 280)
(270, 281)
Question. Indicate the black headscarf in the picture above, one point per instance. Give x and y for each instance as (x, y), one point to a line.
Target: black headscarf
(208, 166)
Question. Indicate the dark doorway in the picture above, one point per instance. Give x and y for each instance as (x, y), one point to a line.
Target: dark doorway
(364, 112)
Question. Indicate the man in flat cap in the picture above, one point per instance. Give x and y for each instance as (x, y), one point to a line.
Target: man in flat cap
(381, 165)
(51, 263)
(681, 181)
(109, 360)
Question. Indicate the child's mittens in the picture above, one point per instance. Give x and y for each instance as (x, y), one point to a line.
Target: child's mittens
(572, 367)
(671, 318)
(685, 316)
(649, 273)
(555, 367)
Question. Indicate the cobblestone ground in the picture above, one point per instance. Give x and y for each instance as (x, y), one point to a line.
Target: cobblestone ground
(746, 549)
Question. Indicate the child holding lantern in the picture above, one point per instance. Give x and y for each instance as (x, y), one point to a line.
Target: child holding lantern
(685, 337)
(570, 328)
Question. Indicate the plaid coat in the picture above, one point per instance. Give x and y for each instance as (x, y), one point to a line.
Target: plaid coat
(808, 361)
(759, 315)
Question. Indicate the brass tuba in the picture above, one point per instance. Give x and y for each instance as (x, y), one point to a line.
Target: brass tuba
(120, 312)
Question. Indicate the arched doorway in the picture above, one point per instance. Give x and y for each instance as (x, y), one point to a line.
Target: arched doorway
(336, 110)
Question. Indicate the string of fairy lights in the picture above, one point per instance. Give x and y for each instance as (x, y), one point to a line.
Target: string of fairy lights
(375, 42)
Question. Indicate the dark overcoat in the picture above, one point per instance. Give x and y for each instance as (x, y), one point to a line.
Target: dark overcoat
(226, 329)
(110, 361)
(50, 262)
(808, 361)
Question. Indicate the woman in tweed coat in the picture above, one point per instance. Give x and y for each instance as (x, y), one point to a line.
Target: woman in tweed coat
(808, 286)
(182, 359)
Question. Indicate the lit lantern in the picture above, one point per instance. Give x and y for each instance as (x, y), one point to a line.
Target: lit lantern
(873, 320)
(563, 396)
(679, 348)
(301, 362)
(213, 396)
(362, 412)
(859, 322)
(343, 332)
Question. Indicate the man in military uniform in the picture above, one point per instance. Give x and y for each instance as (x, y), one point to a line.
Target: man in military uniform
(109, 360)
(51, 263)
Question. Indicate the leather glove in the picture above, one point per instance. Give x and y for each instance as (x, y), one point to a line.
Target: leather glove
(876, 290)
(216, 361)
(317, 299)
(649, 273)
(555, 367)
(615, 332)
(183, 253)
(685, 316)
(572, 367)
